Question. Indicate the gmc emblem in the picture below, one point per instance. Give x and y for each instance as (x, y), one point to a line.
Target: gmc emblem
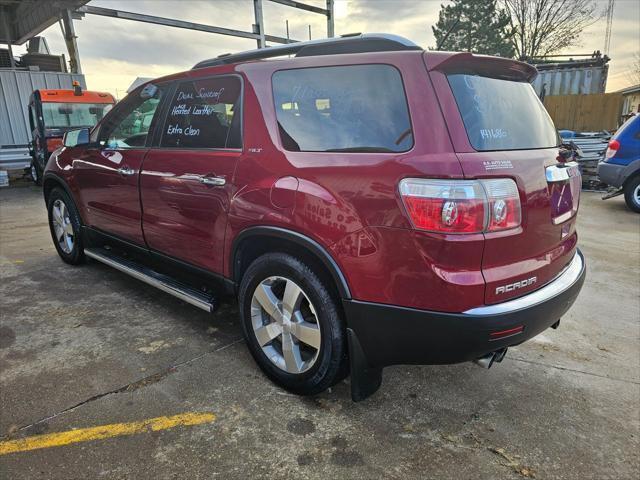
(515, 286)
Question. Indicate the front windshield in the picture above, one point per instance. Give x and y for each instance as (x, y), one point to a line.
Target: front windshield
(64, 115)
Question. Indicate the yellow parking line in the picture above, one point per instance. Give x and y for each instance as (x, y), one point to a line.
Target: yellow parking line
(105, 431)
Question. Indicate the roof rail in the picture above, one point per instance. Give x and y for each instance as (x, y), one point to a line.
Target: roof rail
(351, 43)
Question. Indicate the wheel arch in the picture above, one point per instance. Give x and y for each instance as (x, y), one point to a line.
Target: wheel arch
(51, 181)
(631, 173)
(255, 241)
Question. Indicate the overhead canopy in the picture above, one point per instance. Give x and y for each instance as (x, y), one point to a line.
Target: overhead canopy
(23, 19)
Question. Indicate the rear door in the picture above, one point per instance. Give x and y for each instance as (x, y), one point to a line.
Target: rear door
(108, 171)
(501, 129)
(186, 180)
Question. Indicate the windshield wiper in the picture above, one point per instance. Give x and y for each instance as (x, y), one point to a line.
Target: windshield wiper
(361, 149)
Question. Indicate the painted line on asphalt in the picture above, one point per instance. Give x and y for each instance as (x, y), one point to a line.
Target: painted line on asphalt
(104, 431)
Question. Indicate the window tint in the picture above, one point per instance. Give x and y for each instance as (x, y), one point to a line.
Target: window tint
(73, 114)
(502, 114)
(359, 108)
(130, 124)
(204, 113)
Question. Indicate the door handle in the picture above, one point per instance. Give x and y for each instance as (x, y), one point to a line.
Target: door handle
(126, 171)
(215, 181)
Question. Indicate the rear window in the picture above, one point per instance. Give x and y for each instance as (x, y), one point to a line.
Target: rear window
(358, 108)
(632, 123)
(502, 114)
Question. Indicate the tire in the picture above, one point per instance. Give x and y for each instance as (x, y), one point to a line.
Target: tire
(65, 227)
(35, 173)
(317, 320)
(632, 194)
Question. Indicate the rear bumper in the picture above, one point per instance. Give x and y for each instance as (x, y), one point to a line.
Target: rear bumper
(611, 174)
(391, 335)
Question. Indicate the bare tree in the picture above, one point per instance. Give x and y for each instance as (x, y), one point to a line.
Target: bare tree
(544, 27)
(634, 72)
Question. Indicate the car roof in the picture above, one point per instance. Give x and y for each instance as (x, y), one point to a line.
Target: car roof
(367, 44)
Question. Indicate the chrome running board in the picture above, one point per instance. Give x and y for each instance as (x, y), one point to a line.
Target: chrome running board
(150, 277)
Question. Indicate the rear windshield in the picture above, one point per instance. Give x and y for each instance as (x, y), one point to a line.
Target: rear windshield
(635, 121)
(357, 108)
(502, 114)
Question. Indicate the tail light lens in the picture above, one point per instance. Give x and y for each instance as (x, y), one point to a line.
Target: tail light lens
(504, 204)
(612, 149)
(461, 206)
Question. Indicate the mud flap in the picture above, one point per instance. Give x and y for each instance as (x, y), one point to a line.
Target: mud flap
(613, 193)
(365, 380)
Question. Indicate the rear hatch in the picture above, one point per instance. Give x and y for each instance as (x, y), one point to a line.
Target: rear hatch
(500, 129)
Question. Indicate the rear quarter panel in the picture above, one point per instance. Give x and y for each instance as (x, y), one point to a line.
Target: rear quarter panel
(349, 202)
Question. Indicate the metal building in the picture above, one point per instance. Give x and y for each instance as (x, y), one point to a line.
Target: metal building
(15, 88)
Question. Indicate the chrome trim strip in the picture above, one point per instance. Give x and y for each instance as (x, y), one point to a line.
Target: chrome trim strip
(562, 282)
(559, 173)
(196, 302)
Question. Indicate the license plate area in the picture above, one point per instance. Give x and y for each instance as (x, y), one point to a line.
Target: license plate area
(564, 183)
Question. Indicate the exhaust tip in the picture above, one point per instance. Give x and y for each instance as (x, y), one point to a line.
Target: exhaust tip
(490, 358)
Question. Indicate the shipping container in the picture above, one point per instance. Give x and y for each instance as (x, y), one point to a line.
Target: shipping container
(583, 76)
(15, 88)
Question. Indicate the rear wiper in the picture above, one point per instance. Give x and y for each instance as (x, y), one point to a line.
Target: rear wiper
(361, 149)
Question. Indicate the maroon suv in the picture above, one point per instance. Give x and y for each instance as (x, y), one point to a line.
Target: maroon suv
(369, 204)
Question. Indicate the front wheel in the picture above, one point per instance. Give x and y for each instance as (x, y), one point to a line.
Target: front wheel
(35, 173)
(292, 324)
(65, 226)
(632, 194)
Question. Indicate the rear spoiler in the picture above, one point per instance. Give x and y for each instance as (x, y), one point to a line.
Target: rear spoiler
(485, 65)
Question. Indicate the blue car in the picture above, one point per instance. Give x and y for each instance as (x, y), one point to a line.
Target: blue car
(621, 165)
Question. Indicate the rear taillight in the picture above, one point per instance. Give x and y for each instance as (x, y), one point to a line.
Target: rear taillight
(461, 206)
(504, 204)
(612, 149)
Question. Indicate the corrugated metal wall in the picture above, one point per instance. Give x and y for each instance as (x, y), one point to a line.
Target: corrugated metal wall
(572, 81)
(15, 88)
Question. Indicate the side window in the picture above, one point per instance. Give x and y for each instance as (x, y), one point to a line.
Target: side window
(356, 108)
(32, 121)
(204, 113)
(130, 124)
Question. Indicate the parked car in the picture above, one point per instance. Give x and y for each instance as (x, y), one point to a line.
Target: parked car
(369, 203)
(620, 167)
(54, 112)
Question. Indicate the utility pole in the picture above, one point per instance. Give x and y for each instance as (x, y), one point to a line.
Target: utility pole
(258, 27)
(330, 23)
(607, 35)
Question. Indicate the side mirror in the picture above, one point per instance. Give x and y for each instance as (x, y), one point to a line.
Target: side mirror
(74, 138)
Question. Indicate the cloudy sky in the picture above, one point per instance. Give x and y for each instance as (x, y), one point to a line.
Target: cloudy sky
(114, 52)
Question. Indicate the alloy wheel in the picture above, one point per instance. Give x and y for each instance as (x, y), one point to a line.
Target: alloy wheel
(285, 324)
(62, 226)
(636, 195)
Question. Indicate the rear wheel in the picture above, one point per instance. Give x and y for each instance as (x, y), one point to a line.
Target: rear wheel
(292, 324)
(632, 194)
(65, 226)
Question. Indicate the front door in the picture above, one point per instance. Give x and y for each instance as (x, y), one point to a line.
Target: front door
(108, 171)
(186, 179)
